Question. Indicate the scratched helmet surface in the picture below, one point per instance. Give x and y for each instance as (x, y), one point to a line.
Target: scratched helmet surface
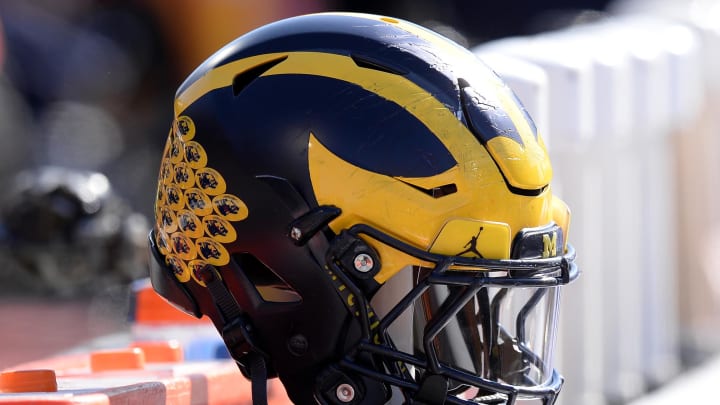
(363, 207)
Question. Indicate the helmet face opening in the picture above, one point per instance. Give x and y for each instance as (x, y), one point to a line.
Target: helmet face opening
(317, 162)
(500, 334)
(485, 327)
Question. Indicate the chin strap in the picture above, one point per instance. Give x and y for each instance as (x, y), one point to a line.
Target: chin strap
(258, 376)
(236, 334)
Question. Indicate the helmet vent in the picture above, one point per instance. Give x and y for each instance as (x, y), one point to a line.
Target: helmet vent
(242, 80)
(435, 192)
(268, 284)
(366, 63)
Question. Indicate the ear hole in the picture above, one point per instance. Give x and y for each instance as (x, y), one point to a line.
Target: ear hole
(268, 284)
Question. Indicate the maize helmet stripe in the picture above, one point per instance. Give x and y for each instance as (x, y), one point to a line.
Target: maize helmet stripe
(511, 156)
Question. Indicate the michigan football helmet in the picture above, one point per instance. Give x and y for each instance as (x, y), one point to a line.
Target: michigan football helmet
(363, 210)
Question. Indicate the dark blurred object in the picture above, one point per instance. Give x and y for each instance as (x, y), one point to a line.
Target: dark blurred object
(66, 233)
(77, 50)
(95, 76)
(90, 74)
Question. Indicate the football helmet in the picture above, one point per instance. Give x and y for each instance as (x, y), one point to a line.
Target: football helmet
(66, 232)
(363, 210)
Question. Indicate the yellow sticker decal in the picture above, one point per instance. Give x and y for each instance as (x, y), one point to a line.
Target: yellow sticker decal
(168, 219)
(185, 128)
(176, 151)
(160, 196)
(166, 172)
(195, 267)
(193, 212)
(219, 229)
(182, 246)
(230, 207)
(189, 224)
(163, 243)
(195, 155)
(174, 197)
(212, 251)
(198, 202)
(184, 176)
(210, 181)
(179, 268)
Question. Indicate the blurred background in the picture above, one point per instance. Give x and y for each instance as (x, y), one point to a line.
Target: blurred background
(625, 93)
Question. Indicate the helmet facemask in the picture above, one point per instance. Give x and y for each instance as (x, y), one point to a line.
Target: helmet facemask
(482, 330)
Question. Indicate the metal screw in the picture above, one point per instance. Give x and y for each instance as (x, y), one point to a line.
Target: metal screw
(345, 392)
(298, 345)
(363, 263)
(295, 233)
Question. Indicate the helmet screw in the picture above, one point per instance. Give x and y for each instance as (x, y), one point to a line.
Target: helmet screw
(363, 263)
(295, 233)
(298, 345)
(345, 393)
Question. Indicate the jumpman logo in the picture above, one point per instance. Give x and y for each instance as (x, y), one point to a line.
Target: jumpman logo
(472, 245)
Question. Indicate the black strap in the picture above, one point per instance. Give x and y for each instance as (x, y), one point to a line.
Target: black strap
(236, 334)
(224, 301)
(258, 375)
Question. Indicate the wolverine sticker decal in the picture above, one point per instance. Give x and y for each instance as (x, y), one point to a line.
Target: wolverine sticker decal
(210, 181)
(198, 202)
(213, 252)
(193, 212)
(179, 268)
(184, 128)
(189, 224)
(230, 207)
(174, 197)
(219, 229)
(195, 155)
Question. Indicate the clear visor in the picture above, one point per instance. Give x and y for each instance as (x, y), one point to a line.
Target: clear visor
(504, 335)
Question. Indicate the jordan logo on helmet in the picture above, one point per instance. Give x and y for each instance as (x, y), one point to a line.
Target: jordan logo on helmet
(471, 246)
